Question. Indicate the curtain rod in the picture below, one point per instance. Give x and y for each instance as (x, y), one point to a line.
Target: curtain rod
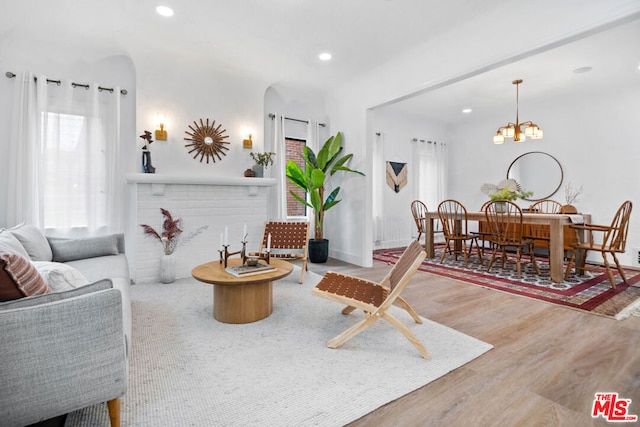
(273, 116)
(11, 75)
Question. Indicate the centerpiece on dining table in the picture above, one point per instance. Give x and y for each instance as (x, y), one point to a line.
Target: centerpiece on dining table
(507, 189)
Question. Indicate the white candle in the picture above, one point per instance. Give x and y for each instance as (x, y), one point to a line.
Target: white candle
(269, 242)
(244, 233)
(221, 242)
(226, 235)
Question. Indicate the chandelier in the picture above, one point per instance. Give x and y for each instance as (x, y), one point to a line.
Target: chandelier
(515, 130)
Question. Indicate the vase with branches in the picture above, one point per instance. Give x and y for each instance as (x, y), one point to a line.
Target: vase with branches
(169, 237)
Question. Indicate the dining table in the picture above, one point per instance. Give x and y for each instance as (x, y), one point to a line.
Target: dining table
(557, 226)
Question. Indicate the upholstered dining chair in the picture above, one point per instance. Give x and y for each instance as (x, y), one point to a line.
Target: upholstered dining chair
(375, 298)
(505, 221)
(613, 240)
(540, 233)
(453, 216)
(419, 212)
(289, 241)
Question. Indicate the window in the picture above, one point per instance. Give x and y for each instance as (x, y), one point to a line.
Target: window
(73, 171)
(294, 147)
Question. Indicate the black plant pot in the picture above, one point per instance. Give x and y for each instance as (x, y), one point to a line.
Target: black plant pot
(318, 251)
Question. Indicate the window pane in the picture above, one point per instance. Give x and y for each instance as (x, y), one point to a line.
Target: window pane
(294, 150)
(73, 171)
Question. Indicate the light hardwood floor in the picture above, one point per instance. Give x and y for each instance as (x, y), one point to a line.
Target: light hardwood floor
(544, 370)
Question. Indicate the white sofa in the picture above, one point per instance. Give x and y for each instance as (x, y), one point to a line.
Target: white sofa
(68, 347)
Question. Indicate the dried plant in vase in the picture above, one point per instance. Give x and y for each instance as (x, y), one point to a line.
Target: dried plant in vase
(171, 231)
(571, 193)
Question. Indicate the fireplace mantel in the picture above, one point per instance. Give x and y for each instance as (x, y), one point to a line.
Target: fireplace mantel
(158, 181)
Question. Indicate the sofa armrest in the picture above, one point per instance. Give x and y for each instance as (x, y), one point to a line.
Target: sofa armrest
(60, 355)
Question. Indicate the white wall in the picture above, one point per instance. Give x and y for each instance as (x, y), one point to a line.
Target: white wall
(185, 94)
(392, 215)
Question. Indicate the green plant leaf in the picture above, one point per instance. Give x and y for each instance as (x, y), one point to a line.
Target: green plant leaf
(309, 157)
(331, 199)
(296, 176)
(316, 201)
(317, 178)
(300, 199)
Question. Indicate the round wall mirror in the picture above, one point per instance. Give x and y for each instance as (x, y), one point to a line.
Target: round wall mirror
(538, 172)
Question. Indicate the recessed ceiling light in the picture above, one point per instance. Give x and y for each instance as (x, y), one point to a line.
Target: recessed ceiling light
(467, 110)
(324, 56)
(164, 11)
(582, 70)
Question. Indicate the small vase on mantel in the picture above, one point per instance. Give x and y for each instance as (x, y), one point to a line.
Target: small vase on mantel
(258, 171)
(167, 268)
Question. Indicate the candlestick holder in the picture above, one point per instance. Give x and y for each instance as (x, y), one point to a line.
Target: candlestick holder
(227, 254)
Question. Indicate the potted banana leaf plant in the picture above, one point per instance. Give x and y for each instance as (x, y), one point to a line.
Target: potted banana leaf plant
(312, 181)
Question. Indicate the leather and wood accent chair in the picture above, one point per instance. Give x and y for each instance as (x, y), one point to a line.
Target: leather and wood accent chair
(613, 240)
(375, 298)
(289, 241)
(505, 220)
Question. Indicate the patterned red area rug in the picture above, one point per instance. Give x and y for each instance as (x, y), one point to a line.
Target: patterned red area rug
(591, 292)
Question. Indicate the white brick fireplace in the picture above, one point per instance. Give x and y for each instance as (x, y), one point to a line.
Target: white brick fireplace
(213, 201)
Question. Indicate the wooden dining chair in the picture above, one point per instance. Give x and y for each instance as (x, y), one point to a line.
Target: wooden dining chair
(484, 231)
(289, 241)
(375, 298)
(453, 216)
(505, 220)
(540, 233)
(568, 233)
(613, 240)
(419, 212)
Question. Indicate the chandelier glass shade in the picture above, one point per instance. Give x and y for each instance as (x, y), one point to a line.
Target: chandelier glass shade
(518, 131)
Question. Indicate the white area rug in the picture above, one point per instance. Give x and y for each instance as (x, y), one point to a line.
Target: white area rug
(187, 369)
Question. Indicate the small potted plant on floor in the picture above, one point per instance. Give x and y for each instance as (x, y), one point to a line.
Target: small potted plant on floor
(312, 181)
(263, 160)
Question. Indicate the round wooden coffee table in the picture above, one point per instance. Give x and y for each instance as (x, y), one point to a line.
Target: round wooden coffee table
(241, 299)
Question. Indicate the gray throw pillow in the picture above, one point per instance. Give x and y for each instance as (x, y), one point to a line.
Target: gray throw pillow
(89, 247)
(34, 242)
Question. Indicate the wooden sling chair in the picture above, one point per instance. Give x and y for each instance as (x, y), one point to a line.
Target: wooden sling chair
(375, 298)
(289, 241)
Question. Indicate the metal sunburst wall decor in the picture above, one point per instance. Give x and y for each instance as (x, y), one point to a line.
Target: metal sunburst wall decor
(208, 140)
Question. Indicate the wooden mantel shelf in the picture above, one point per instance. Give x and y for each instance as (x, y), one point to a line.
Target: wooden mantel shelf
(158, 178)
(158, 181)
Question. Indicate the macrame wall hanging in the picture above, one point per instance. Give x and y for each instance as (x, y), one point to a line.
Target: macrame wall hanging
(396, 175)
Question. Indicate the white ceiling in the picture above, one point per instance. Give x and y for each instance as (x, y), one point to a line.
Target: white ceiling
(613, 54)
(279, 40)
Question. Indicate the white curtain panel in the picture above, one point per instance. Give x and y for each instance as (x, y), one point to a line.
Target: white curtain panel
(279, 209)
(431, 172)
(66, 173)
(313, 142)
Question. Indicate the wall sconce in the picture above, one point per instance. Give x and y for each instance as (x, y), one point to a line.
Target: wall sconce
(161, 134)
(248, 143)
